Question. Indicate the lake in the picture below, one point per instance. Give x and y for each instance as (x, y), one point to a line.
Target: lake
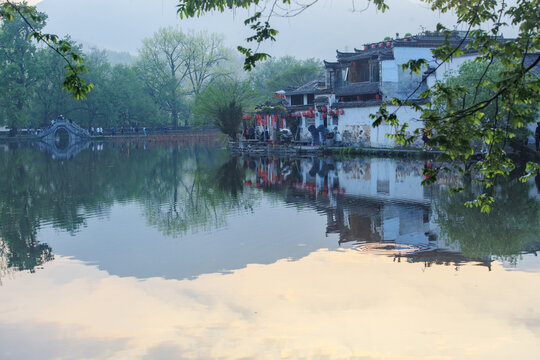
(146, 251)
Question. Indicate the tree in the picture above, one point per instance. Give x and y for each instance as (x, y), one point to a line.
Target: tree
(97, 108)
(17, 73)
(163, 68)
(175, 65)
(131, 104)
(49, 98)
(221, 103)
(282, 73)
(77, 86)
(465, 79)
(205, 56)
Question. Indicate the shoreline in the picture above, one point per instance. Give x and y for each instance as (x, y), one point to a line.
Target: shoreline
(249, 147)
(252, 148)
(191, 135)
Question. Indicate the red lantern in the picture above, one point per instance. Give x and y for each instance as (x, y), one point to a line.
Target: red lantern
(277, 95)
(366, 47)
(324, 115)
(373, 46)
(283, 96)
(342, 112)
(405, 40)
(381, 44)
(310, 109)
(377, 96)
(324, 109)
(388, 43)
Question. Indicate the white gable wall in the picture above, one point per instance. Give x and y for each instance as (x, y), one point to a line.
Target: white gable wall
(355, 126)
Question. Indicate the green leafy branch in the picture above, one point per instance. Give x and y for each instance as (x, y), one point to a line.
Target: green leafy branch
(73, 82)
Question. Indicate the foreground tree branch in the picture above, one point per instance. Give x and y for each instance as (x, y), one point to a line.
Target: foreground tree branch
(73, 82)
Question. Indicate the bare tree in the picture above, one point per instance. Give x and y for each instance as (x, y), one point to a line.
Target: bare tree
(175, 65)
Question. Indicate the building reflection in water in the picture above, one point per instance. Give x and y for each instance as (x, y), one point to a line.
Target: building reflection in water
(373, 204)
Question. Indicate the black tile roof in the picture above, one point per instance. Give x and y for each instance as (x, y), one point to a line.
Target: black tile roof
(382, 53)
(358, 89)
(311, 87)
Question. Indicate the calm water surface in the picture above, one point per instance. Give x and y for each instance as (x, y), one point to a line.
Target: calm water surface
(130, 251)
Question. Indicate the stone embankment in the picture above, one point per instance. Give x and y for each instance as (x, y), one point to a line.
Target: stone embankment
(191, 137)
(253, 147)
(185, 136)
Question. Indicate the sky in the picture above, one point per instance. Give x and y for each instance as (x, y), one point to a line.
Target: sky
(329, 25)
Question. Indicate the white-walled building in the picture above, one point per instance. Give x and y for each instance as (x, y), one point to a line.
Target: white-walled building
(358, 82)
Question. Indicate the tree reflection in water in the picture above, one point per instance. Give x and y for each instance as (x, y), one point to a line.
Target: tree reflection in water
(182, 189)
(511, 228)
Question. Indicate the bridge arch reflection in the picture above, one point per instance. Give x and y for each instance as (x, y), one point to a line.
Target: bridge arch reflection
(63, 139)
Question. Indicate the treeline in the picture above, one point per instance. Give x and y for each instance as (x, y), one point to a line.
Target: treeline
(173, 74)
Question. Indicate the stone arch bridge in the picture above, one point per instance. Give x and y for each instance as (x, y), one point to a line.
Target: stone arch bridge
(63, 138)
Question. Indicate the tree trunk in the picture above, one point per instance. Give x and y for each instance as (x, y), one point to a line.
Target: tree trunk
(174, 115)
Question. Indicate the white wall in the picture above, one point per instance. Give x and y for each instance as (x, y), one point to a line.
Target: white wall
(355, 126)
(404, 54)
(375, 178)
(390, 69)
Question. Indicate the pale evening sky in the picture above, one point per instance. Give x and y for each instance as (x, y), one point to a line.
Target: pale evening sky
(329, 25)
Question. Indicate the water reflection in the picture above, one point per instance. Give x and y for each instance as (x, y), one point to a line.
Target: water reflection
(327, 305)
(182, 211)
(381, 201)
(175, 185)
